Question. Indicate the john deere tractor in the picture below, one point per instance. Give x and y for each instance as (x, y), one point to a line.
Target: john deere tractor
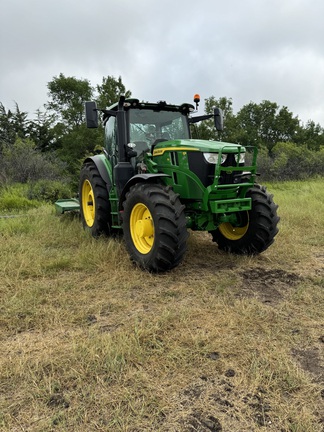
(154, 182)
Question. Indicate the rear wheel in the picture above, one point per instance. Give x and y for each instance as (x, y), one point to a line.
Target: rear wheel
(255, 229)
(94, 201)
(154, 227)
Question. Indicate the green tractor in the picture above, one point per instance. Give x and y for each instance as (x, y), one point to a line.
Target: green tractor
(154, 182)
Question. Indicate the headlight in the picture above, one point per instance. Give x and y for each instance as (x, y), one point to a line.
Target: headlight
(242, 158)
(212, 158)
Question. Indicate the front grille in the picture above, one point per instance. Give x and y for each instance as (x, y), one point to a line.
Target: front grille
(203, 170)
(206, 171)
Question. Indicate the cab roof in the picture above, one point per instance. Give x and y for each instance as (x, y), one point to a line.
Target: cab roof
(130, 103)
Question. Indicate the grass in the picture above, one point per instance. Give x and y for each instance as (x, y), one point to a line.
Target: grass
(91, 343)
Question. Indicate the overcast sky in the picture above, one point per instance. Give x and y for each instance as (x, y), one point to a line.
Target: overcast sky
(249, 50)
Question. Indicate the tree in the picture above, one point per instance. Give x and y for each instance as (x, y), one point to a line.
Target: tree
(224, 103)
(312, 135)
(68, 95)
(78, 143)
(12, 125)
(110, 90)
(265, 124)
(42, 131)
(206, 129)
(67, 98)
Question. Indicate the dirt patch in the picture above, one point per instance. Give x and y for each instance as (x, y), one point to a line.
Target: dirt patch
(213, 405)
(200, 422)
(269, 286)
(319, 269)
(310, 361)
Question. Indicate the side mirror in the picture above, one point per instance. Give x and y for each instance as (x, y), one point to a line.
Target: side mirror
(91, 114)
(218, 119)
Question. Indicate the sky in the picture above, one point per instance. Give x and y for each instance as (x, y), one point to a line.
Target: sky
(251, 50)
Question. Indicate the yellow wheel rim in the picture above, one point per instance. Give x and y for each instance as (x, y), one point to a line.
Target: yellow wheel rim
(142, 228)
(233, 232)
(88, 203)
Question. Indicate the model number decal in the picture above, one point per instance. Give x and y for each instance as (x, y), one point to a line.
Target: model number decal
(159, 152)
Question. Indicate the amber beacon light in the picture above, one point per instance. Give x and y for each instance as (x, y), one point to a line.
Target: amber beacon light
(197, 100)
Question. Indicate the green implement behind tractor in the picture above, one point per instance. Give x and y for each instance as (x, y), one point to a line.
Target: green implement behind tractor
(153, 182)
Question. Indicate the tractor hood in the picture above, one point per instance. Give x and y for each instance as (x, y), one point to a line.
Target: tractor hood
(196, 145)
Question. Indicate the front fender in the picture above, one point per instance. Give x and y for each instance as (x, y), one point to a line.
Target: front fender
(145, 178)
(103, 167)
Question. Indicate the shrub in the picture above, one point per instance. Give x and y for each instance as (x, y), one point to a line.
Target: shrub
(264, 164)
(290, 161)
(49, 190)
(294, 162)
(12, 200)
(21, 162)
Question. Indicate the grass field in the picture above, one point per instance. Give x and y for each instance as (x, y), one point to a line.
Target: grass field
(222, 343)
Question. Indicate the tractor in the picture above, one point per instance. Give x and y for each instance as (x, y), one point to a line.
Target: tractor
(153, 182)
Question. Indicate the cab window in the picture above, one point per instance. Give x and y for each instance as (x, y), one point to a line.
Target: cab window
(111, 136)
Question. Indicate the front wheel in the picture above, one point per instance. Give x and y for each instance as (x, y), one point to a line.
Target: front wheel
(255, 229)
(154, 227)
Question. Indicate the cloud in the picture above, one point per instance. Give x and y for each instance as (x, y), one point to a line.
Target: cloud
(168, 50)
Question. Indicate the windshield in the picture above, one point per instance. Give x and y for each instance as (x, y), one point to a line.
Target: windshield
(149, 125)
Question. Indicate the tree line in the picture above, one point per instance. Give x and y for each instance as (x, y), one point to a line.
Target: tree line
(53, 144)
(288, 149)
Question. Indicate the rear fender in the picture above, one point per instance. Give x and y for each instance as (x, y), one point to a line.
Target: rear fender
(139, 178)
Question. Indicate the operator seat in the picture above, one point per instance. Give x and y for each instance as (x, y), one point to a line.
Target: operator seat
(141, 147)
(165, 137)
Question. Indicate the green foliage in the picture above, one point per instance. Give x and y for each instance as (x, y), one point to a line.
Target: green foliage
(42, 148)
(68, 95)
(18, 196)
(14, 198)
(21, 162)
(12, 125)
(49, 190)
(290, 161)
(77, 144)
(110, 90)
(264, 162)
(206, 129)
(311, 135)
(42, 131)
(265, 124)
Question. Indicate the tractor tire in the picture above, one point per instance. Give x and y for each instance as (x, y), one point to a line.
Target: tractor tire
(154, 225)
(94, 201)
(257, 227)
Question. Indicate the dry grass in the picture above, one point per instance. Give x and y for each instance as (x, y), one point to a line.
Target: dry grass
(91, 343)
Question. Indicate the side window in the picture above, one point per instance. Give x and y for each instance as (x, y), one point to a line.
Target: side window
(111, 136)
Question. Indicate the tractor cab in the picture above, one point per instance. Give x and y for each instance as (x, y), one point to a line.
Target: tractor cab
(143, 125)
(134, 128)
(148, 126)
